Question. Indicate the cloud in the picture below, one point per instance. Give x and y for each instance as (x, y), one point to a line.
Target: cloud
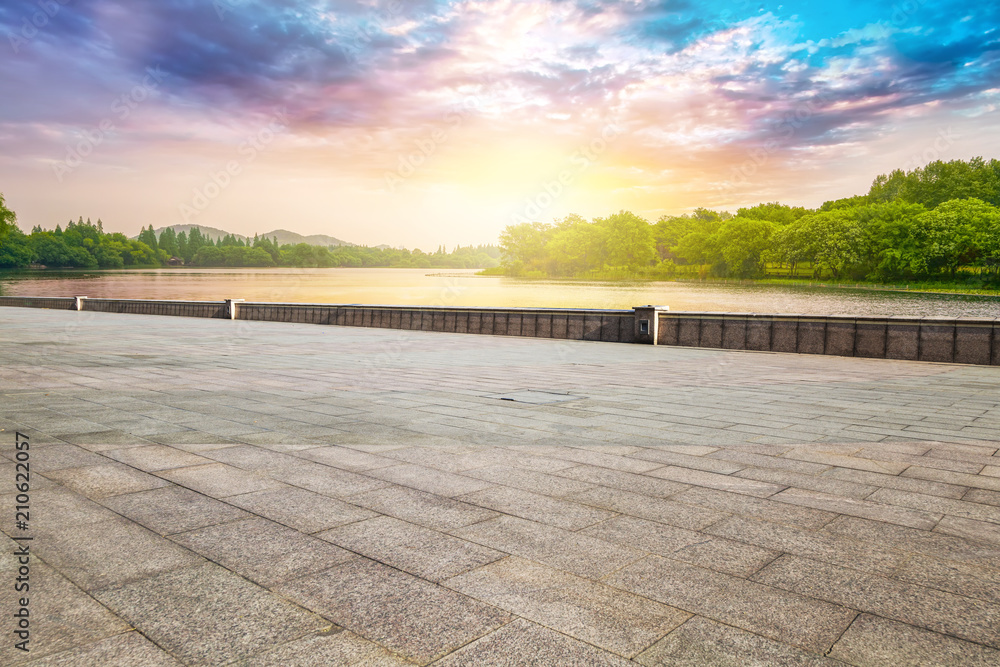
(363, 80)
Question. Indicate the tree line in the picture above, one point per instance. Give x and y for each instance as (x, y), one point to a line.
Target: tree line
(939, 222)
(85, 245)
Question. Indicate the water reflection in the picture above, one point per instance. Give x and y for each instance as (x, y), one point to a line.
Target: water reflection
(464, 288)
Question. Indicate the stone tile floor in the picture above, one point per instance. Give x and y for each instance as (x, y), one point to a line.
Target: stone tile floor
(211, 492)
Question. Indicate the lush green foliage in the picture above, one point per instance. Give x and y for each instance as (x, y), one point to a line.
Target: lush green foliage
(81, 245)
(938, 222)
(85, 245)
(8, 218)
(260, 251)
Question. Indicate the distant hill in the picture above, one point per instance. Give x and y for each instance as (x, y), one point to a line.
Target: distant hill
(283, 235)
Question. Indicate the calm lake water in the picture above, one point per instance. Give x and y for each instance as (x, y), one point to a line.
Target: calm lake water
(437, 287)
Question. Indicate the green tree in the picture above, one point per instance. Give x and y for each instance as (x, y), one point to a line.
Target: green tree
(148, 236)
(742, 243)
(576, 246)
(629, 240)
(15, 249)
(8, 219)
(168, 242)
(958, 232)
(182, 247)
(522, 247)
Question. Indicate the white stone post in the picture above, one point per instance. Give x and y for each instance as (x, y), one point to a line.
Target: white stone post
(647, 323)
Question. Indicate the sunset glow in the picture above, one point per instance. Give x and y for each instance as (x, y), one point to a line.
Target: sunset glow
(426, 122)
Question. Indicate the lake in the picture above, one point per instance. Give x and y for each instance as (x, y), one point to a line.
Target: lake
(441, 287)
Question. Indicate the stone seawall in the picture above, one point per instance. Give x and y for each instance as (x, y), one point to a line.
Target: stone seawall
(953, 340)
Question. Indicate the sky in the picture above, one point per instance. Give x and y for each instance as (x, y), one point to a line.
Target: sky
(425, 122)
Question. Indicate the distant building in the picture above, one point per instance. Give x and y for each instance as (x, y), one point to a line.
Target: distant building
(175, 261)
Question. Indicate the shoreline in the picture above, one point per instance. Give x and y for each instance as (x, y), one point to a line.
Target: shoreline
(769, 282)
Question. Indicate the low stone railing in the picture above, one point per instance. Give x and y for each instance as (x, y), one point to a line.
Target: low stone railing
(955, 340)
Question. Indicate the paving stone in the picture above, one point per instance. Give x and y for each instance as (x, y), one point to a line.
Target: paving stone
(422, 508)
(728, 483)
(564, 550)
(173, 509)
(60, 507)
(537, 482)
(325, 480)
(896, 482)
(873, 641)
(701, 642)
(786, 617)
(810, 544)
(927, 503)
(684, 545)
(834, 487)
(263, 551)
(706, 463)
(982, 496)
(912, 540)
(591, 456)
(841, 461)
(590, 611)
(925, 461)
(197, 442)
(276, 413)
(105, 480)
(345, 458)
(861, 508)
(616, 479)
(128, 648)
(105, 553)
(334, 648)
(963, 617)
(750, 459)
(647, 507)
(532, 457)
(103, 441)
(979, 531)
(441, 457)
(947, 575)
(956, 478)
(251, 457)
(219, 480)
(300, 509)
(536, 507)
(761, 508)
(407, 615)
(62, 616)
(206, 615)
(526, 644)
(57, 457)
(155, 457)
(426, 553)
(429, 480)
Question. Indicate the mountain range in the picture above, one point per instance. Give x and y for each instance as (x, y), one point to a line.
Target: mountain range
(283, 235)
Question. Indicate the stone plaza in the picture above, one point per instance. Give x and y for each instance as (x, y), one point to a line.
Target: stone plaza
(215, 492)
